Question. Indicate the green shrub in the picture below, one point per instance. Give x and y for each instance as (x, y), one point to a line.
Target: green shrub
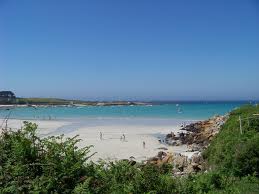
(233, 152)
(202, 183)
(121, 177)
(29, 163)
(246, 159)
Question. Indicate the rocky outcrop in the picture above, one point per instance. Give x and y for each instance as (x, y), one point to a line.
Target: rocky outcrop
(161, 158)
(197, 135)
(182, 165)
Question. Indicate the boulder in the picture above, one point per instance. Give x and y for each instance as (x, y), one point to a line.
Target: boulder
(165, 160)
(171, 142)
(194, 148)
(192, 168)
(197, 158)
(180, 161)
(168, 136)
(153, 160)
(189, 169)
(161, 155)
(178, 142)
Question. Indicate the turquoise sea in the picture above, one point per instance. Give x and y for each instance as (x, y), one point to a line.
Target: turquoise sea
(180, 110)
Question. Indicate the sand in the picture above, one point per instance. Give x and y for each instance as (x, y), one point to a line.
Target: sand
(111, 146)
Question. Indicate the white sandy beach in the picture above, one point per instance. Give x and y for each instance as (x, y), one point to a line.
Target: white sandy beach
(111, 147)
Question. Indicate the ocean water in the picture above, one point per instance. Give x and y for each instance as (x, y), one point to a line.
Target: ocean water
(184, 110)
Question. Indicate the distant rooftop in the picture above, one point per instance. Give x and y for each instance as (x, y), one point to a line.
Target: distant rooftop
(7, 97)
(7, 94)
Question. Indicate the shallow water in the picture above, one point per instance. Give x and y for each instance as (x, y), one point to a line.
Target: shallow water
(195, 110)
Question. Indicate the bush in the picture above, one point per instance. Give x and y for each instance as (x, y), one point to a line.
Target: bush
(121, 177)
(233, 152)
(29, 163)
(246, 159)
(202, 183)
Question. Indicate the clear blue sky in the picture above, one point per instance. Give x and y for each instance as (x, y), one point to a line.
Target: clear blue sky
(134, 49)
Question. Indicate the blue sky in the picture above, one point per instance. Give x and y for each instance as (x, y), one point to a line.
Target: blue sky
(135, 49)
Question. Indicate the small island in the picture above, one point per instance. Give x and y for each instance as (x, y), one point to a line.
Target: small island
(8, 98)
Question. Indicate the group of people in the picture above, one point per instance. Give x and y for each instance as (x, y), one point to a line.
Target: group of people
(122, 138)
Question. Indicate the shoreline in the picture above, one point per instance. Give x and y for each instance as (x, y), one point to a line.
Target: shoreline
(74, 103)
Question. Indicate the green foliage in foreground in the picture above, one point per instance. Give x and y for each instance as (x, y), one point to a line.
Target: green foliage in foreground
(218, 183)
(29, 164)
(233, 152)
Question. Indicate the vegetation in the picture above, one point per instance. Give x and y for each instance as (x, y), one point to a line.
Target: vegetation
(57, 101)
(44, 101)
(29, 164)
(235, 152)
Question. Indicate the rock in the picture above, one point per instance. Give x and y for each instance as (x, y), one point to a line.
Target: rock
(178, 142)
(201, 167)
(161, 158)
(171, 142)
(165, 160)
(197, 136)
(192, 168)
(194, 148)
(183, 165)
(161, 154)
(196, 167)
(180, 162)
(168, 136)
(153, 160)
(189, 169)
(199, 133)
(197, 158)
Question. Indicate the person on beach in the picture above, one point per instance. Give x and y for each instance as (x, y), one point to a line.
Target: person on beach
(101, 136)
(144, 144)
(124, 137)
